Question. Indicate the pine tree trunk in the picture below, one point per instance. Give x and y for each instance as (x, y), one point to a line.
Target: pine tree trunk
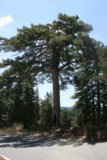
(104, 109)
(56, 97)
(94, 105)
(98, 104)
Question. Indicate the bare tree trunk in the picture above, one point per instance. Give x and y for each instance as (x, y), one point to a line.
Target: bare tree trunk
(56, 97)
(98, 104)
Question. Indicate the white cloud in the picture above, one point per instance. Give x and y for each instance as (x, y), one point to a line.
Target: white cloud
(5, 20)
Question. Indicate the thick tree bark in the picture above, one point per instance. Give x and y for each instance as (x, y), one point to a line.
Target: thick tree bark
(56, 97)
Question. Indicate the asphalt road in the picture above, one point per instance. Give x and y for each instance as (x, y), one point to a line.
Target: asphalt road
(23, 147)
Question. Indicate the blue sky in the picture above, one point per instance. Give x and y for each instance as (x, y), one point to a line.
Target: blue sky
(17, 13)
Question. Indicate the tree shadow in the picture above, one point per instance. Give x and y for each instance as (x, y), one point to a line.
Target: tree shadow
(25, 141)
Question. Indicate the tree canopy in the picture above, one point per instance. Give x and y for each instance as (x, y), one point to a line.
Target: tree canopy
(49, 51)
(61, 52)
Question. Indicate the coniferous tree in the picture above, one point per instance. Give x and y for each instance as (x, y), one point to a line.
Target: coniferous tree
(90, 86)
(19, 95)
(50, 50)
(45, 113)
(65, 118)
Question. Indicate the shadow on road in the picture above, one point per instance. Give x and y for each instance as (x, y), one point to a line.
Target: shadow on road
(24, 141)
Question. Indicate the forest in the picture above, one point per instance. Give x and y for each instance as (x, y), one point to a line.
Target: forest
(62, 53)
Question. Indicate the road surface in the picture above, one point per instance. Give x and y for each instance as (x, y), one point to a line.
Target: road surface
(25, 147)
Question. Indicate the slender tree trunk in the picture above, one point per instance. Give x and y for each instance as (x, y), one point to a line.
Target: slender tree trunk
(98, 104)
(104, 109)
(56, 97)
(94, 106)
